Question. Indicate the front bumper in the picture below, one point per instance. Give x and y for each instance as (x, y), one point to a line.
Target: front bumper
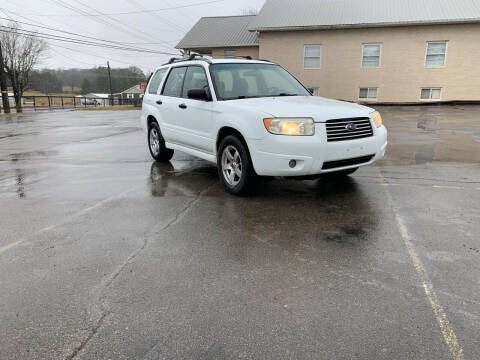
(272, 154)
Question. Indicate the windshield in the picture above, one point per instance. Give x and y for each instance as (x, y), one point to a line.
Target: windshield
(241, 81)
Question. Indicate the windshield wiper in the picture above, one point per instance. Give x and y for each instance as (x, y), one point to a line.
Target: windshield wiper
(258, 96)
(282, 94)
(240, 97)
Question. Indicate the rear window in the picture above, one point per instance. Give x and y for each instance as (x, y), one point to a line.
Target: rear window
(156, 81)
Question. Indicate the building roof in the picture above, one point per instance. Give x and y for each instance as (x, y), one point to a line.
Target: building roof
(223, 31)
(133, 90)
(325, 14)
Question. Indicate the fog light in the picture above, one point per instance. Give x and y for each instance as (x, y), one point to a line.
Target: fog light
(292, 163)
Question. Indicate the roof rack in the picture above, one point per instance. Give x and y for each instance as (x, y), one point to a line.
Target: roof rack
(190, 58)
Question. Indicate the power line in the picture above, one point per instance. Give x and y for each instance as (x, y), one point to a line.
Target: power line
(76, 41)
(76, 34)
(100, 57)
(69, 58)
(104, 58)
(102, 21)
(156, 16)
(180, 10)
(133, 12)
(67, 32)
(96, 65)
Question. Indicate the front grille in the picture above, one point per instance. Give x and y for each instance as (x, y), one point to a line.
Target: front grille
(347, 162)
(337, 130)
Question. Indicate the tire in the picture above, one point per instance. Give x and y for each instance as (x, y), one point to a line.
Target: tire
(340, 174)
(235, 167)
(156, 144)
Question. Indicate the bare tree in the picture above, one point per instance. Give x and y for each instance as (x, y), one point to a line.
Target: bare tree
(21, 53)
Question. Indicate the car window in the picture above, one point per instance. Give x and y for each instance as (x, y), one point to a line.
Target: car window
(224, 82)
(174, 84)
(156, 81)
(194, 79)
(275, 80)
(240, 80)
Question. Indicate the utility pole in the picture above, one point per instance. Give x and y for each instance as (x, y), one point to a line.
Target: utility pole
(3, 85)
(110, 82)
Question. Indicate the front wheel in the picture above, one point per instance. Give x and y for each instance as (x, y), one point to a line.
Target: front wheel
(156, 144)
(235, 166)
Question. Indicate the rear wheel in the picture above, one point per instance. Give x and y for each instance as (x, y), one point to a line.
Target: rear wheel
(156, 144)
(235, 166)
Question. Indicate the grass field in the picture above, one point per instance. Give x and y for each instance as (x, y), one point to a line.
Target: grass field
(12, 114)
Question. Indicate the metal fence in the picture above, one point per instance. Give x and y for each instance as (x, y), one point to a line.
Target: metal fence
(47, 102)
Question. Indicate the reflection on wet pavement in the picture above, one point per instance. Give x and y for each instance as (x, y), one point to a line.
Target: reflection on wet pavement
(419, 135)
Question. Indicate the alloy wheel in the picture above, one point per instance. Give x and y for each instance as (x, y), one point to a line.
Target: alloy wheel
(231, 165)
(154, 142)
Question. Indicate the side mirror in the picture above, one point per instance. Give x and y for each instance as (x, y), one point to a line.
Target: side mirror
(199, 94)
(311, 90)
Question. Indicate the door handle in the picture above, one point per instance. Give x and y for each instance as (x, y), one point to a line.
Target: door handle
(159, 102)
(182, 106)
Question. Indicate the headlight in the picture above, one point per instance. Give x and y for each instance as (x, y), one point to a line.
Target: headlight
(377, 118)
(290, 126)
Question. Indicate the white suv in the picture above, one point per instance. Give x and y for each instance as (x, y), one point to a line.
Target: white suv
(253, 118)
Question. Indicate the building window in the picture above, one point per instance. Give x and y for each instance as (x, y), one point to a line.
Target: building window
(368, 93)
(431, 94)
(436, 53)
(371, 55)
(230, 54)
(312, 55)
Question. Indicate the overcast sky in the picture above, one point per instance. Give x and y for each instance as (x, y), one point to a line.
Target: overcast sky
(159, 31)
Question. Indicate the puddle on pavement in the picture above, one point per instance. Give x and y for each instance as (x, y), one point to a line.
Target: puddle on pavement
(187, 178)
(336, 211)
(14, 181)
(6, 136)
(32, 155)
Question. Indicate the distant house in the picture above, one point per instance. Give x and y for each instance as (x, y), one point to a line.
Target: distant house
(132, 92)
(133, 95)
(407, 51)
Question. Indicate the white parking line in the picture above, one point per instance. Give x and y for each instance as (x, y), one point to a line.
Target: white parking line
(78, 214)
(9, 246)
(448, 187)
(445, 326)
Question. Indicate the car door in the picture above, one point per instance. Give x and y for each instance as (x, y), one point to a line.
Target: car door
(170, 99)
(196, 116)
(152, 97)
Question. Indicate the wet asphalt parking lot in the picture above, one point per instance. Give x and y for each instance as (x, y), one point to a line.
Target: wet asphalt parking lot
(106, 255)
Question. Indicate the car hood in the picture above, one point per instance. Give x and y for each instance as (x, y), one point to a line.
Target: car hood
(318, 108)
